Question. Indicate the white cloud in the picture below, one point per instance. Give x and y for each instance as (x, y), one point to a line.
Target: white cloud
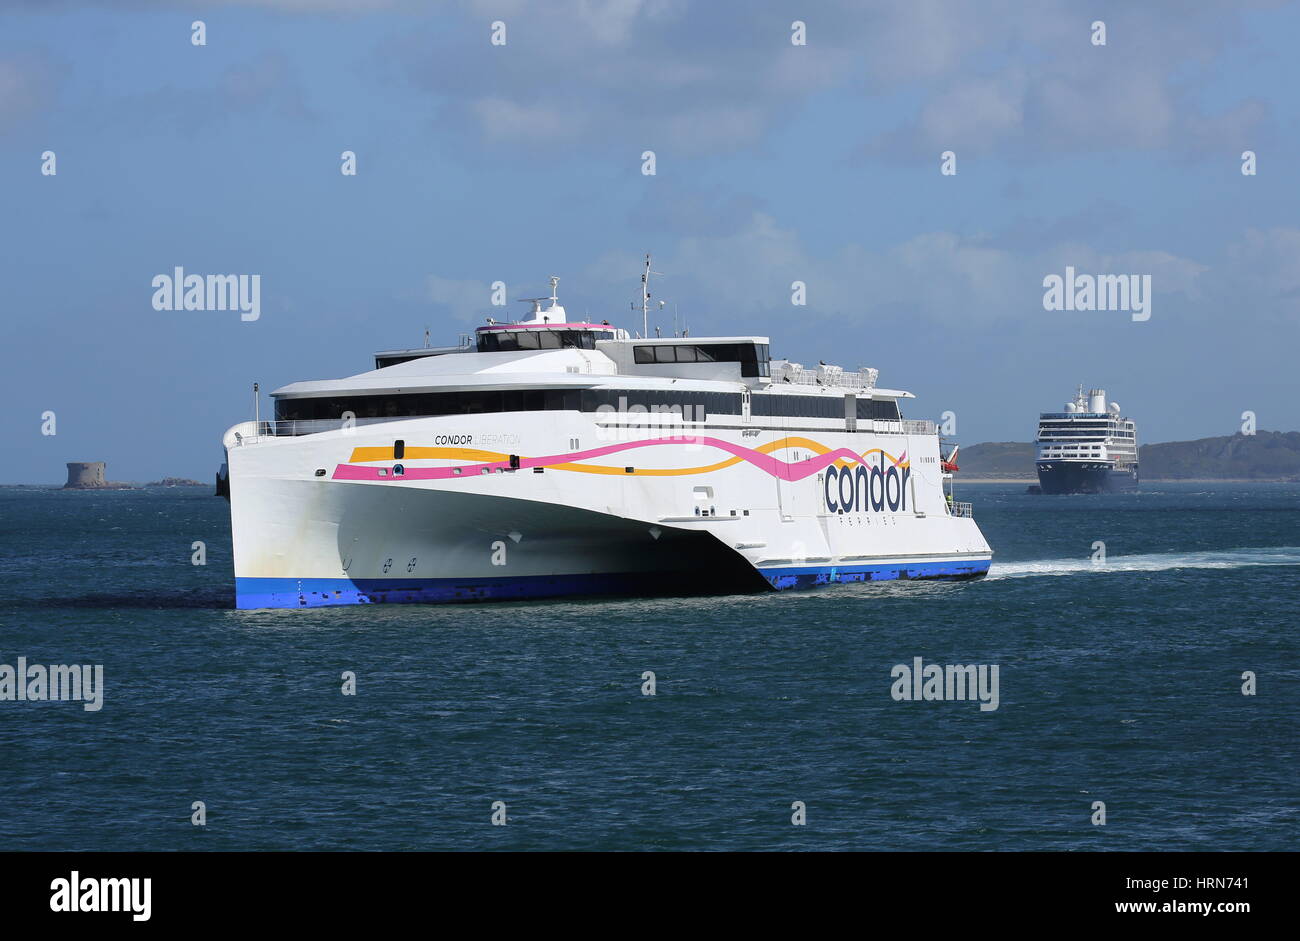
(697, 78)
(464, 300)
(937, 278)
(321, 6)
(504, 120)
(26, 85)
(1053, 91)
(975, 114)
(1264, 273)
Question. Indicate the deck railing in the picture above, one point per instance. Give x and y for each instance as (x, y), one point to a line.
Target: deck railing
(249, 432)
(826, 376)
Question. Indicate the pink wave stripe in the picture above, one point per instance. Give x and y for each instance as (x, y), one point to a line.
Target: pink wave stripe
(797, 470)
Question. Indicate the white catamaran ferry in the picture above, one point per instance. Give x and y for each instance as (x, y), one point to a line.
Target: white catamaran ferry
(548, 458)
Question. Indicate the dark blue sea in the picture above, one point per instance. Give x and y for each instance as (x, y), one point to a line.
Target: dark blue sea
(1120, 682)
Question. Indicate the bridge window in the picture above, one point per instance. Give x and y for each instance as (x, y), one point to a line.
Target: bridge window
(508, 341)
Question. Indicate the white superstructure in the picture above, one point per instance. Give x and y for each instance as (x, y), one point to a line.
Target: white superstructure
(549, 457)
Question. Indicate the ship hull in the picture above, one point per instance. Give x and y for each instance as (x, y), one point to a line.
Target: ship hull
(337, 518)
(1062, 477)
(256, 593)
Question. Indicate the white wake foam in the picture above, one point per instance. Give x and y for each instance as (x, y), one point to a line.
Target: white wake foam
(1153, 562)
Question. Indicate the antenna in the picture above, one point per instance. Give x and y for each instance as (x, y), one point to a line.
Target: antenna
(537, 301)
(645, 296)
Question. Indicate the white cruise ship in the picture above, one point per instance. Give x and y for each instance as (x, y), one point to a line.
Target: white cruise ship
(1088, 448)
(546, 458)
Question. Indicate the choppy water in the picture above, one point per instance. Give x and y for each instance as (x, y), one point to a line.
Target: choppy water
(1119, 682)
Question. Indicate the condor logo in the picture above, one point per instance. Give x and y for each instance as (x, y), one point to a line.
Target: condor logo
(862, 488)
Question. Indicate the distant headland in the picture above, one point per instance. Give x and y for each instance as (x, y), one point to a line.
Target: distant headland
(1265, 455)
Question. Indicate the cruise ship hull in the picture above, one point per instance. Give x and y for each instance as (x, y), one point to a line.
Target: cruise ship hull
(452, 509)
(1057, 476)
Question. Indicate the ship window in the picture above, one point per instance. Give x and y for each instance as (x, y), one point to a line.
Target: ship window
(878, 410)
(563, 400)
(821, 406)
(754, 358)
(693, 406)
(495, 342)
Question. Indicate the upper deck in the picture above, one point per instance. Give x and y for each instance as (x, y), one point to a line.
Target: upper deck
(548, 363)
(1087, 430)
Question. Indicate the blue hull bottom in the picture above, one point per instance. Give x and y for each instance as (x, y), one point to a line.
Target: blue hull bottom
(253, 593)
(808, 576)
(327, 592)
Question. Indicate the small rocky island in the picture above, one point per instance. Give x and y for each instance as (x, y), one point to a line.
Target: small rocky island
(89, 475)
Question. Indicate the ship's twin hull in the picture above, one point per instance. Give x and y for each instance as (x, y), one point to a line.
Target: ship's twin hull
(339, 518)
(397, 543)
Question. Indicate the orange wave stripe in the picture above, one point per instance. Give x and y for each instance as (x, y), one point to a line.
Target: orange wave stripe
(365, 455)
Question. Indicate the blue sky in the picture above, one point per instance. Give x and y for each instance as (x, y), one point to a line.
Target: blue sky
(775, 163)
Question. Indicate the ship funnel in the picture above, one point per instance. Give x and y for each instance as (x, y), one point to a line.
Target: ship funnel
(1098, 403)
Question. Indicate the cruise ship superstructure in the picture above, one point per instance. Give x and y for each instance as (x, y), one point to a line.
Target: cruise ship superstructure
(548, 457)
(1088, 448)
